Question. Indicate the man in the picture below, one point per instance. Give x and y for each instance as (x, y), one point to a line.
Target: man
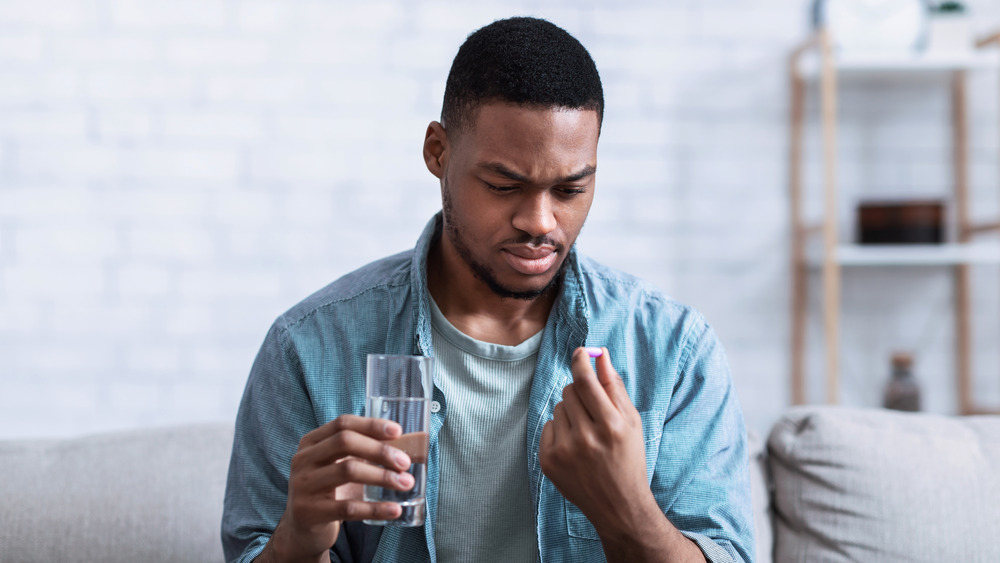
(535, 453)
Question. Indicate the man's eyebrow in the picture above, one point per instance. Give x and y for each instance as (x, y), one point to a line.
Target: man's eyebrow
(587, 171)
(504, 171)
(510, 174)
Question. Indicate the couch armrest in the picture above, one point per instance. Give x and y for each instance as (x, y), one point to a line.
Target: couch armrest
(760, 492)
(145, 495)
(876, 485)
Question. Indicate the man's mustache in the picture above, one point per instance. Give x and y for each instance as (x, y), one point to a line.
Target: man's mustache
(529, 240)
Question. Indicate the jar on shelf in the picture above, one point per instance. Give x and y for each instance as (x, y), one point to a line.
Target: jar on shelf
(902, 393)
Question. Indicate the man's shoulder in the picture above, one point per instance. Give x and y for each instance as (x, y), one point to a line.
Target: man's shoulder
(609, 286)
(615, 297)
(371, 281)
(596, 272)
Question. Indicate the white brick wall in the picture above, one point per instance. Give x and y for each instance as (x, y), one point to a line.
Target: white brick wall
(173, 175)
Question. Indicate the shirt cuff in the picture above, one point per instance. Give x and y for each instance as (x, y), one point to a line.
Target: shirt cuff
(251, 553)
(714, 552)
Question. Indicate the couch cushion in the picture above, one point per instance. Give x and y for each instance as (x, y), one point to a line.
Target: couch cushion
(149, 495)
(876, 485)
(760, 493)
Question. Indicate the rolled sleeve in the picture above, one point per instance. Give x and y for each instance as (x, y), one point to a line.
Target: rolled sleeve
(274, 414)
(709, 495)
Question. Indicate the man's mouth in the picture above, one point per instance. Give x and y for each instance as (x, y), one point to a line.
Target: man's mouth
(530, 260)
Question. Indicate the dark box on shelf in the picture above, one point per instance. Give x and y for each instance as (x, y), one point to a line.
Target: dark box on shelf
(901, 222)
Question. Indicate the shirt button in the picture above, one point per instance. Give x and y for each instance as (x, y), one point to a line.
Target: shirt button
(435, 406)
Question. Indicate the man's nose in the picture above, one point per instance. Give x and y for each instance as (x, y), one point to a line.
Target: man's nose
(536, 215)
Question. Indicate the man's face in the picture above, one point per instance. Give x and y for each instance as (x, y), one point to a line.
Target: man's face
(516, 188)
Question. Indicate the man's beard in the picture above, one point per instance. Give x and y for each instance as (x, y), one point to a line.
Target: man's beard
(482, 272)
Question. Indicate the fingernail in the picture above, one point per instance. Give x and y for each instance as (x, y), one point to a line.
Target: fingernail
(594, 352)
(405, 480)
(402, 459)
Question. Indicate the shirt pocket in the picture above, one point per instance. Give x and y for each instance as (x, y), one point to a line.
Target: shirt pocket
(577, 524)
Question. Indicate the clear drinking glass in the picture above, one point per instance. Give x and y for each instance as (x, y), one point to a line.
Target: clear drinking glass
(399, 388)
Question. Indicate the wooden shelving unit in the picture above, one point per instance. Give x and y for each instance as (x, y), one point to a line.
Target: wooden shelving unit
(916, 255)
(814, 59)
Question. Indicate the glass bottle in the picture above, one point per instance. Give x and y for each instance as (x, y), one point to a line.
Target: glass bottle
(902, 393)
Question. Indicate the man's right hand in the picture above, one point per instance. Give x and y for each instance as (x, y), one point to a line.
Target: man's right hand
(328, 471)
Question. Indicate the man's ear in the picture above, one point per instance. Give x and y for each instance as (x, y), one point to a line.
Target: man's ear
(436, 148)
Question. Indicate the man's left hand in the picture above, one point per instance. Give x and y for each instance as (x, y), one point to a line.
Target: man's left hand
(593, 449)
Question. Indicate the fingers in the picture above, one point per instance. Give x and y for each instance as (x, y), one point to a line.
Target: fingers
(606, 373)
(336, 460)
(573, 409)
(548, 439)
(588, 388)
(361, 510)
(374, 427)
(554, 438)
(547, 447)
(580, 365)
(352, 436)
(612, 382)
(324, 480)
(350, 443)
(339, 510)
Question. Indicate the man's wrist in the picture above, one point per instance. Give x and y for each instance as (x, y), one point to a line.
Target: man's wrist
(644, 533)
(273, 554)
(635, 520)
(281, 549)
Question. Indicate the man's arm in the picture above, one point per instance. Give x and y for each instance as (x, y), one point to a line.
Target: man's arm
(707, 496)
(593, 451)
(290, 483)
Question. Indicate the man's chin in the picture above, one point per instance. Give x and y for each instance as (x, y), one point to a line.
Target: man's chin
(526, 290)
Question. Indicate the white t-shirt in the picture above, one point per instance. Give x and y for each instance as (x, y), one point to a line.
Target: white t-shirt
(484, 508)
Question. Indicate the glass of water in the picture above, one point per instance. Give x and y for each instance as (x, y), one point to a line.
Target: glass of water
(399, 388)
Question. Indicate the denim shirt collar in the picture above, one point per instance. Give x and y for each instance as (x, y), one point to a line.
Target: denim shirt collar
(418, 286)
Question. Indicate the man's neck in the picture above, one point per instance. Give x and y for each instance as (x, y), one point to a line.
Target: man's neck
(473, 308)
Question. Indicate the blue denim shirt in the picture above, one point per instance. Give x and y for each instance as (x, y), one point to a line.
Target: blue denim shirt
(311, 369)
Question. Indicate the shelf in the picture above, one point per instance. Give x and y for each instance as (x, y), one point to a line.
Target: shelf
(880, 63)
(879, 69)
(911, 255)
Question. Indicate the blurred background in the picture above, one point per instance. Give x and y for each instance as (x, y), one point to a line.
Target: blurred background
(176, 174)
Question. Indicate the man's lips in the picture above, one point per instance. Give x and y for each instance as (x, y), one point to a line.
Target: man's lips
(530, 260)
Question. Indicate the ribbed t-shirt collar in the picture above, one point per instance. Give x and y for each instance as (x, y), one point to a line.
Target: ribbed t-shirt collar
(487, 350)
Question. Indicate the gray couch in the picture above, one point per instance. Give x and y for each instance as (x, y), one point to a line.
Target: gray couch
(145, 495)
(874, 485)
(833, 484)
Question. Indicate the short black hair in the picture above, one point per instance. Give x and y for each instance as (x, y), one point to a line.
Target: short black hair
(524, 61)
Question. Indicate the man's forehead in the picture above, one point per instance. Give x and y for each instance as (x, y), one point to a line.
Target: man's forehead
(503, 110)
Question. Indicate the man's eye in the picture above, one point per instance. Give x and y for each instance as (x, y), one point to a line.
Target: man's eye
(572, 191)
(500, 189)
